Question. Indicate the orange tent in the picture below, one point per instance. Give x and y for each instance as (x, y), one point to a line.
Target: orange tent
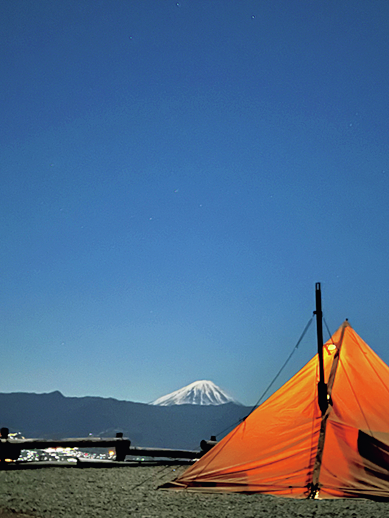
(287, 447)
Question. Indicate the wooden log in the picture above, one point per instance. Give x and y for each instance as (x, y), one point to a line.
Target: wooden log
(207, 445)
(164, 453)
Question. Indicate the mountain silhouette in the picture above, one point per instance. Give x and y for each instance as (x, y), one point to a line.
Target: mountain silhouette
(55, 416)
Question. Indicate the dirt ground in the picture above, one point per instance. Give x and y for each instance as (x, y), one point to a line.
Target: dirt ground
(132, 491)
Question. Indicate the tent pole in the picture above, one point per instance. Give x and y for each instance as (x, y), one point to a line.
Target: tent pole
(322, 387)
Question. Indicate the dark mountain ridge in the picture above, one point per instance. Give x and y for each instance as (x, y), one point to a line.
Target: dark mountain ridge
(53, 415)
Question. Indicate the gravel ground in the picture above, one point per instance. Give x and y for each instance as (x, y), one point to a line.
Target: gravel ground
(131, 491)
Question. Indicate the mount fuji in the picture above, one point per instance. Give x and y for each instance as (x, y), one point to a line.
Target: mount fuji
(198, 393)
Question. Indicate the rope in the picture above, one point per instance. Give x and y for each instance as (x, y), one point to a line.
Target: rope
(328, 331)
(283, 366)
(274, 379)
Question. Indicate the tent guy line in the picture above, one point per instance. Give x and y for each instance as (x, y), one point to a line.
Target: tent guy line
(284, 364)
(272, 381)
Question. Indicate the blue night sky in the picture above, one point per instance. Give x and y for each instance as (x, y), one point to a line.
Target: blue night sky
(176, 177)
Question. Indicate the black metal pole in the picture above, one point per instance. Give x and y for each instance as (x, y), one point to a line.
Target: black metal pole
(322, 387)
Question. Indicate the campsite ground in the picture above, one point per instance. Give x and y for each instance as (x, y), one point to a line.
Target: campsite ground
(122, 492)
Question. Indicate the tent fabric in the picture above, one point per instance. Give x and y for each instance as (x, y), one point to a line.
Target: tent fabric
(286, 446)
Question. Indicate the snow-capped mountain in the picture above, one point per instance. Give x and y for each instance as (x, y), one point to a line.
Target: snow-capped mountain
(197, 393)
